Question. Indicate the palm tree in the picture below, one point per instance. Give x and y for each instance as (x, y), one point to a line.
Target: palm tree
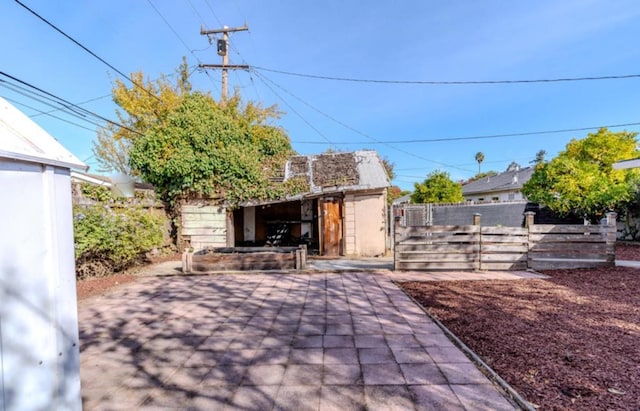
(479, 159)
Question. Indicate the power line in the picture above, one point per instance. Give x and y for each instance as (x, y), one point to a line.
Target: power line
(196, 11)
(48, 114)
(348, 127)
(175, 33)
(53, 26)
(294, 110)
(488, 136)
(169, 25)
(213, 12)
(49, 101)
(67, 104)
(30, 95)
(80, 103)
(461, 82)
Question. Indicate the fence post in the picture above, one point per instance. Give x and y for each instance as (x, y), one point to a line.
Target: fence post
(476, 222)
(528, 216)
(528, 223)
(611, 231)
(394, 234)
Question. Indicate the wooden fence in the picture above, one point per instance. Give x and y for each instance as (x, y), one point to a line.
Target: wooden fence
(474, 247)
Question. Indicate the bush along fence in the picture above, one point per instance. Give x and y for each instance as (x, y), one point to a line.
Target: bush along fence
(474, 247)
(113, 234)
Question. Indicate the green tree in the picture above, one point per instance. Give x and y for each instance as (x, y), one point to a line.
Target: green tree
(437, 188)
(202, 149)
(581, 180)
(140, 108)
(479, 159)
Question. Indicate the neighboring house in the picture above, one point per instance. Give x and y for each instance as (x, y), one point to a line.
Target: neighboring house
(405, 199)
(343, 212)
(626, 164)
(39, 344)
(505, 186)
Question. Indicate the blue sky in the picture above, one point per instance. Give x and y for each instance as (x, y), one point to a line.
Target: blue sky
(411, 40)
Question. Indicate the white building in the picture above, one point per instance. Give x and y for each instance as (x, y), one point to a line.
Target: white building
(501, 187)
(39, 347)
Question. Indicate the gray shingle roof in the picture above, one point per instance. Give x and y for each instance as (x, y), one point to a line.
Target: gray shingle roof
(509, 180)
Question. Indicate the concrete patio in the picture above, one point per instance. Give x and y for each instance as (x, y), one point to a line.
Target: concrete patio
(325, 341)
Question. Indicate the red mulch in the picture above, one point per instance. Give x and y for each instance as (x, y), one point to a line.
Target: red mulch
(96, 286)
(571, 342)
(628, 251)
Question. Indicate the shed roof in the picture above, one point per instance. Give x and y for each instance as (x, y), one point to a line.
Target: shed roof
(22, 139)
(332, 173)
(339, 172)
(509, 180)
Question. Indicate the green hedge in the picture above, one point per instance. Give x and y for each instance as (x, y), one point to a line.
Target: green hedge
(110, 239)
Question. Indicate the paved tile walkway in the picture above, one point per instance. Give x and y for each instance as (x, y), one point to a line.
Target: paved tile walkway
(272, 341)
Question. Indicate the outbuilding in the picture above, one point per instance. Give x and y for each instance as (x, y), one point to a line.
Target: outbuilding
(39, 347)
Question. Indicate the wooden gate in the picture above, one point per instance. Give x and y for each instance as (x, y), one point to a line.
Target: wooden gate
(473, 247)
(331, 212)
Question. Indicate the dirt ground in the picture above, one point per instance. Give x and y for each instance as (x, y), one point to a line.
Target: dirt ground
(96, 286)
(571, 342)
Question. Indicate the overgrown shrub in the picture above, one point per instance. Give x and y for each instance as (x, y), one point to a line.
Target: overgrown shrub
(116, 237)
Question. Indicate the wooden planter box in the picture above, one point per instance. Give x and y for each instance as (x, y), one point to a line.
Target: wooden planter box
(244, 259)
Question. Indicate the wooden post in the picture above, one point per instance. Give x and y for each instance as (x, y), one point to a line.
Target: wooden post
(611, 232)
(396, 223)
(528, 223)
(476, 221)
(231, 241)
(303, 254)
(187, 261)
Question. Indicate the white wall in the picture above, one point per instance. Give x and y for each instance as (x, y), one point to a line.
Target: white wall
(365, 224)
(511, 195)
(39, 346)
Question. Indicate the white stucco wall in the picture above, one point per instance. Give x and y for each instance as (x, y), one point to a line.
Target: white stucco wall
(365, 224)
(39, 346)
(502, 196)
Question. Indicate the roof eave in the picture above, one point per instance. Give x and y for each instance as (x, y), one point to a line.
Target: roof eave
(42, 160)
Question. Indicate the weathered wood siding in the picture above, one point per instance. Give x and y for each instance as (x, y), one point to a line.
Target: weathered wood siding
(503, 248)
(437, 248)
(584, 246)
(203, 226)
(473, 247)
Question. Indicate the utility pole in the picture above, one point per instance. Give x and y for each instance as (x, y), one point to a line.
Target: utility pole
(223, 46)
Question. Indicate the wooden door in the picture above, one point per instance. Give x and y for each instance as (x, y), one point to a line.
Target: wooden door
(331, 227)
